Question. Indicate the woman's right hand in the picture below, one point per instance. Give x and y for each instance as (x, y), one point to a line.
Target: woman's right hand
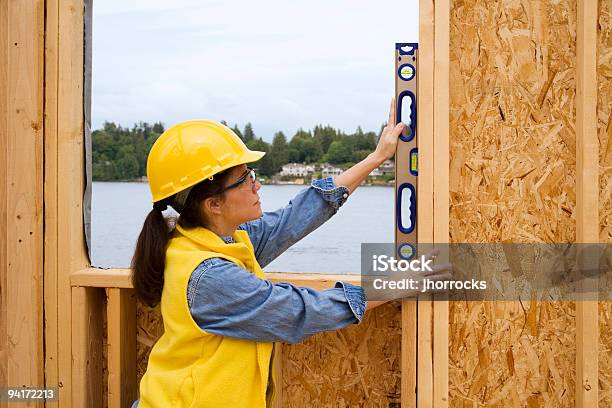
(442, 272)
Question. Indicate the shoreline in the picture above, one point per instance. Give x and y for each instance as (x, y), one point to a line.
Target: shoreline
(281, 183)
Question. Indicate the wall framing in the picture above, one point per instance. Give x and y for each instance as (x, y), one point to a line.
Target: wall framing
(56, 313)
(64, 180)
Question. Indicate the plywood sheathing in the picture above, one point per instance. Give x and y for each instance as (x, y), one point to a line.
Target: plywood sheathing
(356, 366)
(512, 178)
(605, 354)
(604, 132)
(150, 328)
(508, 354)
(512, 121)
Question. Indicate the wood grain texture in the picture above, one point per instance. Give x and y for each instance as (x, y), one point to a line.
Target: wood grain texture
(587, 198)
(441, 187)
(409, 353)
(3, 190)
(425, 209)
(120, 278)
(357, 366)
(87, 374)
(604, 118)
(512, 179)
(50, 195)
(604, 133)
(121, 347)
(22, 146)
(71, 253)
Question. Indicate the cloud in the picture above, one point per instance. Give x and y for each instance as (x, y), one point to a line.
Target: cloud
(279, 65)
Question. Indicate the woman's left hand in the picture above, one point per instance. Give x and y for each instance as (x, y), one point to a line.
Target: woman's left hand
(353, 177)
(390, 134)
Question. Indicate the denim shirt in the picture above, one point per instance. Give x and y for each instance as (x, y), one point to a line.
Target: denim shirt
(228, 300)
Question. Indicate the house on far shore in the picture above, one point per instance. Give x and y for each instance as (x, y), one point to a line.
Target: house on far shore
(328, 170)
(385, 169)
(296, 170)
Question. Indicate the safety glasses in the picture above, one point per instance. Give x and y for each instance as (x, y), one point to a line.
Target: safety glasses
(250, 173)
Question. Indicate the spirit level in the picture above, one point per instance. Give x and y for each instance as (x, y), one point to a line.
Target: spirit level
(406, 155)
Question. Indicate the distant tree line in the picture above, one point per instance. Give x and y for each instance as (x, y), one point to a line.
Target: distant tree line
(121, 153)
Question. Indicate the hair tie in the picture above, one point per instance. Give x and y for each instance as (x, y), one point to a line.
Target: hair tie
(160, 206)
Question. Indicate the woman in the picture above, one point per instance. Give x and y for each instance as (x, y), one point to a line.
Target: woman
(221, 317)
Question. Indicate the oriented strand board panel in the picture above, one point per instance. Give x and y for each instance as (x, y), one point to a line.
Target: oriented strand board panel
(358, 366)
(512, 178)
(605, 354)
(604, 132)
(150, 328)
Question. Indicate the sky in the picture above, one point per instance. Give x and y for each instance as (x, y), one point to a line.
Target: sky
(281, 65)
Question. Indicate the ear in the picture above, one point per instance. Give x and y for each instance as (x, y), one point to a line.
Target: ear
(212, 205)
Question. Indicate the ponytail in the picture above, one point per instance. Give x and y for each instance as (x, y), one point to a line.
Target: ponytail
(149, 258)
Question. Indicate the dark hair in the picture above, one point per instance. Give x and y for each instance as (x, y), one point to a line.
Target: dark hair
(149, 258)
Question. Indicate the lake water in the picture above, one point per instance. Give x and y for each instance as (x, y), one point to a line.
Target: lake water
(119, 209)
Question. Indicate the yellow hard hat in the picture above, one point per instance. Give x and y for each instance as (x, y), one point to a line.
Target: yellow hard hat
(192, 151)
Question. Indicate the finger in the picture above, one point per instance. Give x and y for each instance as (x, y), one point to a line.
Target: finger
(444, 267)
(436, 271)
(398, 129)
(433, 275)
(391, 121)
(432, 254)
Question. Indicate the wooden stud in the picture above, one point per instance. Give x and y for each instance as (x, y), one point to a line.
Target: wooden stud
(80, 335)
(424, 351)
(50, 195)
(87, 346)
(587, 197)
(278, 375)
(425, 214)
(441, 187)
(121, 342)
(3, 188)
(21, 212)
(409, 353)
(71, 252)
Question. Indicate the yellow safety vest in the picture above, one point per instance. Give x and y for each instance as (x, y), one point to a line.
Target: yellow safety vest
(189, 367)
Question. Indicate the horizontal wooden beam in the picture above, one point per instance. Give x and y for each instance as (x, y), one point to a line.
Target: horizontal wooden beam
(120, 278)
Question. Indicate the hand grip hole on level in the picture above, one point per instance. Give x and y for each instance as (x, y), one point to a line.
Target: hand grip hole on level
(406, 113)
(406, 208)
(406, 48)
